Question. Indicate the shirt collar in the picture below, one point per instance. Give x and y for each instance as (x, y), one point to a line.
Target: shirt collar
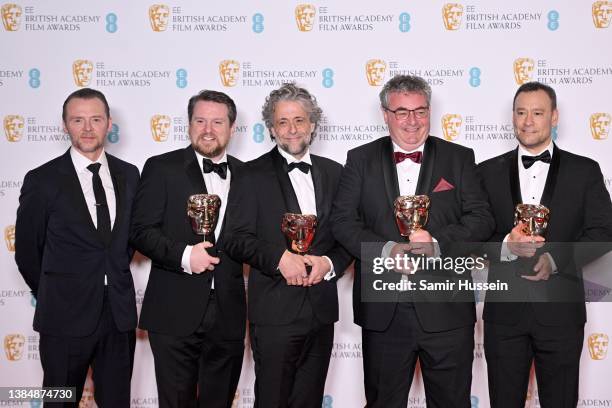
(522, 151)
(81, 162)
(290, 159)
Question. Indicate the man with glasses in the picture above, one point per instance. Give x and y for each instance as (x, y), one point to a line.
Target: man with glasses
(398, 329)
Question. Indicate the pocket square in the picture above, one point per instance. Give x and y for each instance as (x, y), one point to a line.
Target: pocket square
(443, 185)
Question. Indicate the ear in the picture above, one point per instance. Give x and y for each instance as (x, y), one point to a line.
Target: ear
(312, 128)
(110, 124)
(555, 117)
(385, 115)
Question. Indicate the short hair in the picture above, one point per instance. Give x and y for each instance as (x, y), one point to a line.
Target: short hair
(86, 93)
(536, 86)
(405, 84)
(213, 96)
(291, 92)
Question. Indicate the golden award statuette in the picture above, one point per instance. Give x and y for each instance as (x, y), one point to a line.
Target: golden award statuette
(411, 213)
(535, 217)
(203, 209)
(299, 230)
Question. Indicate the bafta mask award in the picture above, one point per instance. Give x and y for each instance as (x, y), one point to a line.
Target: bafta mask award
(534, 217)
(203, 209)
(299, 229)
(411, 213)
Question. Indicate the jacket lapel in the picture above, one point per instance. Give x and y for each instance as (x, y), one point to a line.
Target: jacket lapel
(427, 167)
(319, 187)
(119, 186)
(194, 173)
(280, 168)
(72, 186)
(514, 180)
(551, 178)
(389, 171)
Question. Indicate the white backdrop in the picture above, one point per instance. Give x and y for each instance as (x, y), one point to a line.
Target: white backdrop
(148, 64)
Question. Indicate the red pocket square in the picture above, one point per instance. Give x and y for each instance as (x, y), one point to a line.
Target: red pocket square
(443, 185)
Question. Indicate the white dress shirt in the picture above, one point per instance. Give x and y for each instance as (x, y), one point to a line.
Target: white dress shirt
(85, 176)
(214, 185)
(407, 180)
(303, 186)
(532, 183)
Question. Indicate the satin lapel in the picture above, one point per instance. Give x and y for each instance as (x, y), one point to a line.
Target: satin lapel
(72, 186)
(232, 164)
(194, 173)
(514, 180)
(389, 171)
(119, 185)
(319, 186)
(551, 178)
(280, 168)
(427, 167)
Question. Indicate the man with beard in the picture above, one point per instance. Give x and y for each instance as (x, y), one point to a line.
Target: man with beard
(72, 249)
(291, 312)
(194, 304)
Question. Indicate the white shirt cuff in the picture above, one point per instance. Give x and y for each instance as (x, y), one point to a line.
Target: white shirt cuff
(332, 273)
(506, 255)
(186, 259)
(553, 265)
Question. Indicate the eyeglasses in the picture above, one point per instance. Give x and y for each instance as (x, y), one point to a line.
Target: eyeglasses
(402, 113)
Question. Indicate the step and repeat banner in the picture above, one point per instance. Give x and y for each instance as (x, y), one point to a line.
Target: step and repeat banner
(149, 58)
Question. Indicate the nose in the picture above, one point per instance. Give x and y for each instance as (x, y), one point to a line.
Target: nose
(292, 128)
(88, 125)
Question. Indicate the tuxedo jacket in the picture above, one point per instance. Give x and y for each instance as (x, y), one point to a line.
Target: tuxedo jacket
(257, 206)
(64, 259)
(580, 212)
(363, 213)
(175, 301)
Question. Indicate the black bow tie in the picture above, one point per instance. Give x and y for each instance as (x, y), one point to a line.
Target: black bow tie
(529, 160)
(302, 166)
(219, 168)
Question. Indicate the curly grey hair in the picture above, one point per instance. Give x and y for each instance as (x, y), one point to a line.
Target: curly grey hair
(291, 92)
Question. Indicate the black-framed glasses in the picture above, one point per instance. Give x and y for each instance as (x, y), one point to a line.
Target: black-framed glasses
(402, 113)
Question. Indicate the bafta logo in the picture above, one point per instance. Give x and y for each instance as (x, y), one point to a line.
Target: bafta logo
(11, 16)
(451, 15)
(9, 238)
(81, 72)
(159, 14)
(598, 345)
(602, 14)
(13, 127)
(229, 70)
(523, 69)
(305, 16)
(451, 126)
(160, 127)
(375, 72)
(13, 346)
(600, 125)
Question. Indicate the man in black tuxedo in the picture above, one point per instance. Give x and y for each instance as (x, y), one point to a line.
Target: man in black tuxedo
(517, 330)
(291, 312)
(72, 249)
(194, 306)
(398, 330)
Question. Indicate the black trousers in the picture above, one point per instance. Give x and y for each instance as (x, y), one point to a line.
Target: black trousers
(205, 360)
(291, 361)
(66, 360)
(510, 351)
(390, 356)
